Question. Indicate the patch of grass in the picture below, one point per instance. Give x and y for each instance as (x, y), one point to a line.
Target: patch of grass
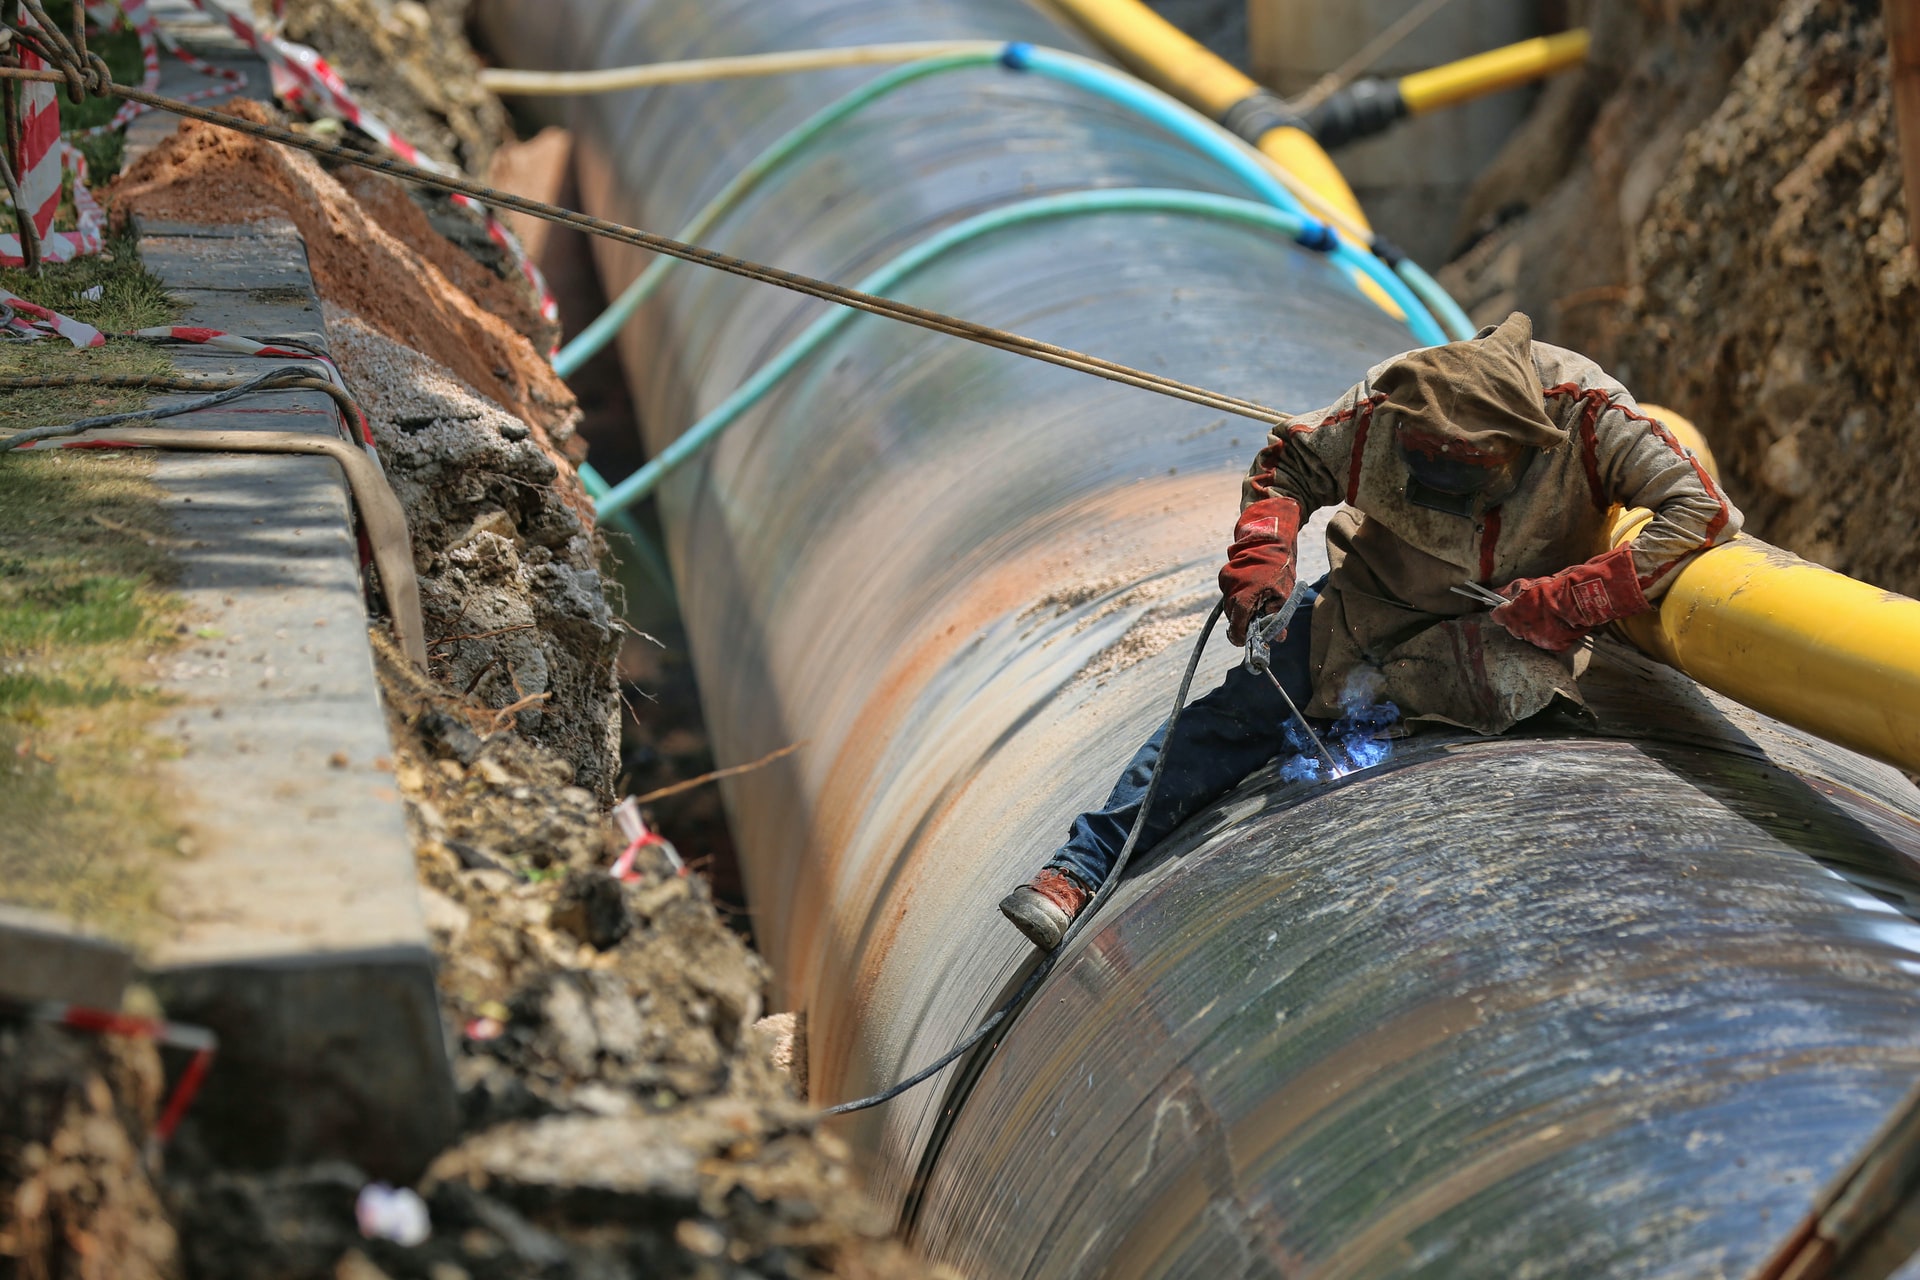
(83, 606)
(128, 298)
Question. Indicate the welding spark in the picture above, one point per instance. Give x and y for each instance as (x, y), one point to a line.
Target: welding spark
(1357, 740)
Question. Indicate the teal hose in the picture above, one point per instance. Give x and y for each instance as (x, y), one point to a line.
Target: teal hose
(1072, 204)
(588, 342)
(1246, 164)
(1165, 112)
(1438, 300)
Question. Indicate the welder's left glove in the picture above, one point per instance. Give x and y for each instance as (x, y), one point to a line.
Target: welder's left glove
(1556, 612)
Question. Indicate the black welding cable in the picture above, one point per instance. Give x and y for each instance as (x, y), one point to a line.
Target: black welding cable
(1085, 917)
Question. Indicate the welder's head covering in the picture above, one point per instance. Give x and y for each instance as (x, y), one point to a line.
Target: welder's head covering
(1467, 412)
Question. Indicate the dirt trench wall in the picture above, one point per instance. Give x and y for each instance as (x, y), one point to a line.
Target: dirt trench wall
(476, 430)
(1714, 211)
(1778, 300)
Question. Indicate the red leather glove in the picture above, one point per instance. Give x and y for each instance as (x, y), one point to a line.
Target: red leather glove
(1556, 612)
(1258, 576)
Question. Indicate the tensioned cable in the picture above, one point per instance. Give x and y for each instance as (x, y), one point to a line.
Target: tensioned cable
(1241, 160)
(516, 83)
(826, 291)
(689, 443)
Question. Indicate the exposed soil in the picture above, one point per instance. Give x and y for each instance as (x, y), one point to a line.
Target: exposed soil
(1730, 174)
(1779, 299)
(207, 173)
(410, 64)
(80, 1203)
(622, 1114)
(509, 581)
(472, 422)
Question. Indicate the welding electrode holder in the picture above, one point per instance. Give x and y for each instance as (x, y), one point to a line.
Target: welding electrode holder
(1263, 632)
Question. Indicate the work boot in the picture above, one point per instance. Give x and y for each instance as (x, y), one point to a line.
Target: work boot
(1044, 907)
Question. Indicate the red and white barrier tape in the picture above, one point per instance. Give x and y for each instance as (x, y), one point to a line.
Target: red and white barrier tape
(627, 816)
(301, 77)
(107, 14)
(199, 1041)
(36, 166)
(31, 321)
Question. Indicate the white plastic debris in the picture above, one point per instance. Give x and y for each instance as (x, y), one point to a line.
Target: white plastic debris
(392, 1213)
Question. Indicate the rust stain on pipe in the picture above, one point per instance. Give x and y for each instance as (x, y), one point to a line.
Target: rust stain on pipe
(1466, 1013)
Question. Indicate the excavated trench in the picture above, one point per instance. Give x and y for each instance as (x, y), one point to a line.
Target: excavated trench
(620, 1113)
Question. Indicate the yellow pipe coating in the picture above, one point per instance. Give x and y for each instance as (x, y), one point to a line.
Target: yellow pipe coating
(1815, 648)
(1793, 640)
(1494, 70)
(1183, 67)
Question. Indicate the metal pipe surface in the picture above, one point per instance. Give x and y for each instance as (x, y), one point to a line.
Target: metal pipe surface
(1605, 999)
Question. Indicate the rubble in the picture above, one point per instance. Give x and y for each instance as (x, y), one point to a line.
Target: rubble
(80, 1201)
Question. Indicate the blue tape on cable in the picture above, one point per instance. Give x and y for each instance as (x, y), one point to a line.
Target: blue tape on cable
(1017, 56)
(1317, 236)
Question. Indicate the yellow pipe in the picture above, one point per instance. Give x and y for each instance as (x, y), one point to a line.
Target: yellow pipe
(1162, 53)
(1492, 71)
(1788, 638)
(1687, 434)
(1803, 644)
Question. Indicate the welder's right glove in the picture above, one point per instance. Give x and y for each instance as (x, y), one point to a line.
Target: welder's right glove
(1556, 612)
(1258, 576)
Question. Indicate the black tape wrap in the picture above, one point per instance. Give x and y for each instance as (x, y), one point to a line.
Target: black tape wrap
(1360, 110)
(1258, 114)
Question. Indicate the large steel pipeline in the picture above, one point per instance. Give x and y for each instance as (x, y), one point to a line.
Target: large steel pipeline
(1607, 998)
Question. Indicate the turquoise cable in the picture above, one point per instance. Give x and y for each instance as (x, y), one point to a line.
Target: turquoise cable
(608, 324)
(1246, 164)
(1092, 77)
(1438, 300)
(1072, 204)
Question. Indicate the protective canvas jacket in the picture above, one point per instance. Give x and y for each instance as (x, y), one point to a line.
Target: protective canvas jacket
(1388, 627)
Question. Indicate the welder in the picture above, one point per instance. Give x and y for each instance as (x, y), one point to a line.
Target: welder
(1482, 467)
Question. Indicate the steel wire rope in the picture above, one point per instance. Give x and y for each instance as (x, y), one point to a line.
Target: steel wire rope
(1081, 921)
(1415, 295)
(825, 290)
(1249, 165)
(1075, 203)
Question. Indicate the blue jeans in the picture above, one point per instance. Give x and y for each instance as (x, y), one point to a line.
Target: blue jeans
(1222, 737)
